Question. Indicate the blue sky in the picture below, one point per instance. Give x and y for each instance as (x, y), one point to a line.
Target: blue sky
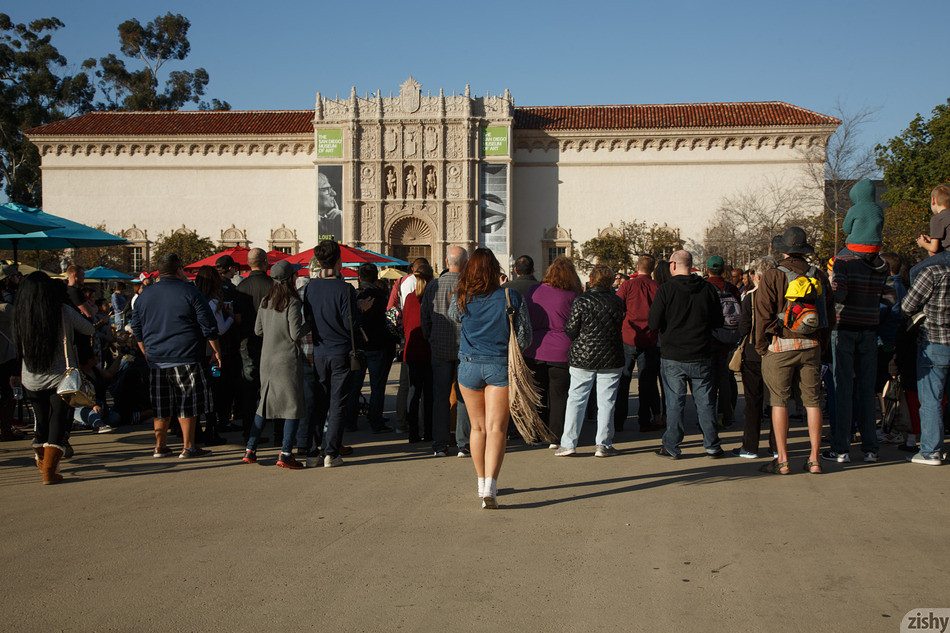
(277, 55)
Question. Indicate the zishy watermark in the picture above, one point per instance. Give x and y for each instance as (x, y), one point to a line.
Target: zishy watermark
(932, 620)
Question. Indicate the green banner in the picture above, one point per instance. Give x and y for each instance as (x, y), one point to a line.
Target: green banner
(330, 143)
(494, 141)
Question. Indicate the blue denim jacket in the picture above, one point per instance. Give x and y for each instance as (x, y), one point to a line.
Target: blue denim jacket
(485, 326)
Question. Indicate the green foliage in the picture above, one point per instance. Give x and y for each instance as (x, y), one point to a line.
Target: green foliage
(186, 243)
(918, 159)
(163, 39)
(35, 89)
(914, 162)
(114, 257)
(620, 250)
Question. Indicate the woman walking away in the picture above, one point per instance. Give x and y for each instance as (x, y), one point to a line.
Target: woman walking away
(549, 304)
(418, 356)
(44, 328)
(481, 308)
(280, 323)
(596, 355)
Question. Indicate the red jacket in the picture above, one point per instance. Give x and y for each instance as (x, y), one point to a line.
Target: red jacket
(637, 295)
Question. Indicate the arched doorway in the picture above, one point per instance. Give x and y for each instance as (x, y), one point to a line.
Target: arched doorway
(410, 238)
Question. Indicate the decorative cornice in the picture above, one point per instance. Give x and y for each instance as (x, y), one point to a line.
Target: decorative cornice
(643, 140)
(72, 146)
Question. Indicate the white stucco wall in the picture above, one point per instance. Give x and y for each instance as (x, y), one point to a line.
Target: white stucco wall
(206, 193)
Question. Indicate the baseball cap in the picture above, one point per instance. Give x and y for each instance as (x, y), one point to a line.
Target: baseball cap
(715, 264)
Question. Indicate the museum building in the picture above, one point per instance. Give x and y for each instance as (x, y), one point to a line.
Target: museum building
(411, 174)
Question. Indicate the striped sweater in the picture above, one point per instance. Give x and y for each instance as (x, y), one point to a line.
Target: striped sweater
(858, 281)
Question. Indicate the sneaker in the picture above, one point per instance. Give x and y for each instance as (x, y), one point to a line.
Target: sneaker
(105, 428)
(741, 452)
(716, 454)
(564, 452)
(662, 452)
(250, 457)
(439, 453)
(188, 453)
(889, 438)
(330, 462)
(832, 456)
(870, 456)
(554, 447)
(919, 458)
(163, 452)
(536, 443)
(288, 461)
(464, 452)
(346, 450)
(314, 460)
(489, 503)
(605, 451)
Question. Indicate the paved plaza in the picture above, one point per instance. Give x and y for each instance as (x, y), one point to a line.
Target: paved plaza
(395, 540)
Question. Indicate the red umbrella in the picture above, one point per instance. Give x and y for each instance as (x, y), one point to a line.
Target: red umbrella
(239, 255)
(347, 273)
(351, 255)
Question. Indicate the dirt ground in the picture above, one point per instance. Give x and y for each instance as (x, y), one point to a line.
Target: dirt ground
(395, 540)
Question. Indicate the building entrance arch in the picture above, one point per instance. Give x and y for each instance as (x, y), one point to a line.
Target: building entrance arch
(410, 238)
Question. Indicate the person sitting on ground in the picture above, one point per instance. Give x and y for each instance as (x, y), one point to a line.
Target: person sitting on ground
(99, 417)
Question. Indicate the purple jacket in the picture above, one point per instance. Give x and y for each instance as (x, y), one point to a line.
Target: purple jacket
(549, 309)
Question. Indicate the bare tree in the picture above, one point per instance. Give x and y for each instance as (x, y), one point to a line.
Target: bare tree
(846, 160)
(746, 222)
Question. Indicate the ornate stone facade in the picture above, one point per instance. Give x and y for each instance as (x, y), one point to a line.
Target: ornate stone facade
(411, 157)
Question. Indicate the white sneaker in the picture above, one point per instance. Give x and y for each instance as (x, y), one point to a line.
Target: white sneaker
(919, 458)
(105, 428)
(489, 503)
(606, 451)
(564, 452)
(553, 446)
(440, 453)
(870, 456)
(330, 462)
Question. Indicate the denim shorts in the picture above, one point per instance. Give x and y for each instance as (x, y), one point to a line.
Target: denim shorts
(474, 372)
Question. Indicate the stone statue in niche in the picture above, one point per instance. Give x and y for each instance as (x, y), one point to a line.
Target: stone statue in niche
(390, 182)
(411, 182)
(431, 182)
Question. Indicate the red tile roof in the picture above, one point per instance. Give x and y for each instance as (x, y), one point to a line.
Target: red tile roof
(610, 117)
(680, 115)
(215, 123)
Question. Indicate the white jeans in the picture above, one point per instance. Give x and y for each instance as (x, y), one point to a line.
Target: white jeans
(582, 381)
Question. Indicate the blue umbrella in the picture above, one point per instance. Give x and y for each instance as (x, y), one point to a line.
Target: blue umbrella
(69, 234)
(393, 261)
(13, 220)
(101, 272)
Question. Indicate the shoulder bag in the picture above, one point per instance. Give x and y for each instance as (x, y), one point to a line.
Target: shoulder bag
(74, 388)
(357, 356)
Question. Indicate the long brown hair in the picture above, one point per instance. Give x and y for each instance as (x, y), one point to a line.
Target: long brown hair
(208, 282)
(479, 277)
(562, 275)
(281, 294)
(423, 275)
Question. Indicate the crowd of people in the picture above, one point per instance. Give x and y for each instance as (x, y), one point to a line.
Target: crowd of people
(298, 350)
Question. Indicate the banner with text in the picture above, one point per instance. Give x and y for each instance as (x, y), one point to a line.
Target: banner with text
(329, 143)
(494, 141)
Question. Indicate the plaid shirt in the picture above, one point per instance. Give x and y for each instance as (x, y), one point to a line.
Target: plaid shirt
(441, 331)
(931, 292)
(779, 344)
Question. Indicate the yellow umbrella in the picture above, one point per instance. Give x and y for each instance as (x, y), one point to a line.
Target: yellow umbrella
(391, 273)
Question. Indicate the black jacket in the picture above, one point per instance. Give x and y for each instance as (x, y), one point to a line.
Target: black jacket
(372, 333)
(685, 311)
(594, 327)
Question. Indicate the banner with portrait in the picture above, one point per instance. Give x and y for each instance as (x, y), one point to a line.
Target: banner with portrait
(493, 208)
(329, 208)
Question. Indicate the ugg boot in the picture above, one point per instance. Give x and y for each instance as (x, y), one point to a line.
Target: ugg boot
(51, 459)
(39, 456)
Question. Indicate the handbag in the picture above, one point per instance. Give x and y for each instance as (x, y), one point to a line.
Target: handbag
(735, 363)
(357, 356)
(74, 388)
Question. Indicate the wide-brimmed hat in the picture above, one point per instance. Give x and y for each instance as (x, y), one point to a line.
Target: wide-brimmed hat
(281, 271)
(792, 242)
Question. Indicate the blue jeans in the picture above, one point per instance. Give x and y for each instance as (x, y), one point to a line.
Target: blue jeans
(582, 382)
(89, 419)
(290, 434)
(676, 375)
(938, 259)
(444, 371)
(933, 372)
(305, 430)
(334, 382)
(378, 363)
(855, 366)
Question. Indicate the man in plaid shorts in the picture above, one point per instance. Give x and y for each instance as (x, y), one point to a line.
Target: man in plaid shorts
(172, 323)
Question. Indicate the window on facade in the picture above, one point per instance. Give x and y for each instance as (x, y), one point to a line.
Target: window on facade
(138, 257)
(284, 240)
(287, 250)
(554, 252)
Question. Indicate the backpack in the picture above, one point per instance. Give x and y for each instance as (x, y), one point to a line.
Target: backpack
(731, 311)
(804, 306)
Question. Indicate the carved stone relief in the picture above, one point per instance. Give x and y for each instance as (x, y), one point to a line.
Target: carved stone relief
(410, 145)
(430, 141)
(392, 141)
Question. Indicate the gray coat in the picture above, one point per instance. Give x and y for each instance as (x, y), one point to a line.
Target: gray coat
(281, 363)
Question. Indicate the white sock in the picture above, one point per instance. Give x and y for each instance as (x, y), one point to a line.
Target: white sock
(481, 486)
(491, 487)
(911, 439)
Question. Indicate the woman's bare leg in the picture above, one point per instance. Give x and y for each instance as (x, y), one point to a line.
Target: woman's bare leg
(475, 405)
(496, 426)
